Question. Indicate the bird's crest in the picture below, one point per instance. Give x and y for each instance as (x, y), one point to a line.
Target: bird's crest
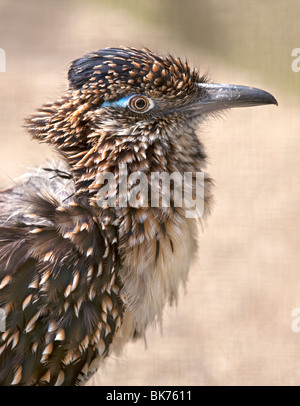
(112, 71)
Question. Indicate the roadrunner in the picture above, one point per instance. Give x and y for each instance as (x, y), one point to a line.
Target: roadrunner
(79, 277)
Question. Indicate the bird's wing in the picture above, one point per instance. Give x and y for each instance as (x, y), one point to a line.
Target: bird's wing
(59, 293)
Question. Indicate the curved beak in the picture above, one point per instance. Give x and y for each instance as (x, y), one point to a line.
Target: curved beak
(216, 97)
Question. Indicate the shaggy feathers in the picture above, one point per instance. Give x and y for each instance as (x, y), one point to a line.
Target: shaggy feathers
(78, 281)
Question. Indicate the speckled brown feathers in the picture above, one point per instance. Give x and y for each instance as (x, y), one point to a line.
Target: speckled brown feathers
(60, 291)
(88, 135)
(77, 280)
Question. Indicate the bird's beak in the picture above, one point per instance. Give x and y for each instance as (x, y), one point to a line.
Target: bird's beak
(216, 97)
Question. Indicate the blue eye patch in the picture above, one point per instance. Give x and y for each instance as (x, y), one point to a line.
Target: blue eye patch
(119, 103)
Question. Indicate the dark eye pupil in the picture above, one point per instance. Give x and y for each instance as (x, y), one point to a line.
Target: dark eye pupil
(140, 103)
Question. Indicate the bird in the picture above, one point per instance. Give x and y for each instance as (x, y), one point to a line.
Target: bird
(82, 273)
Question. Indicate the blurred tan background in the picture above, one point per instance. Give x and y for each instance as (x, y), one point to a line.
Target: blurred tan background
(233, 324)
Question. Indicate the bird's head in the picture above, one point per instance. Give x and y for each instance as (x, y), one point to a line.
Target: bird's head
(135, 107)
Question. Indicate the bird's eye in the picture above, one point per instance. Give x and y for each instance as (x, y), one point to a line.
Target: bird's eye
(137, 103)
(140, 104)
